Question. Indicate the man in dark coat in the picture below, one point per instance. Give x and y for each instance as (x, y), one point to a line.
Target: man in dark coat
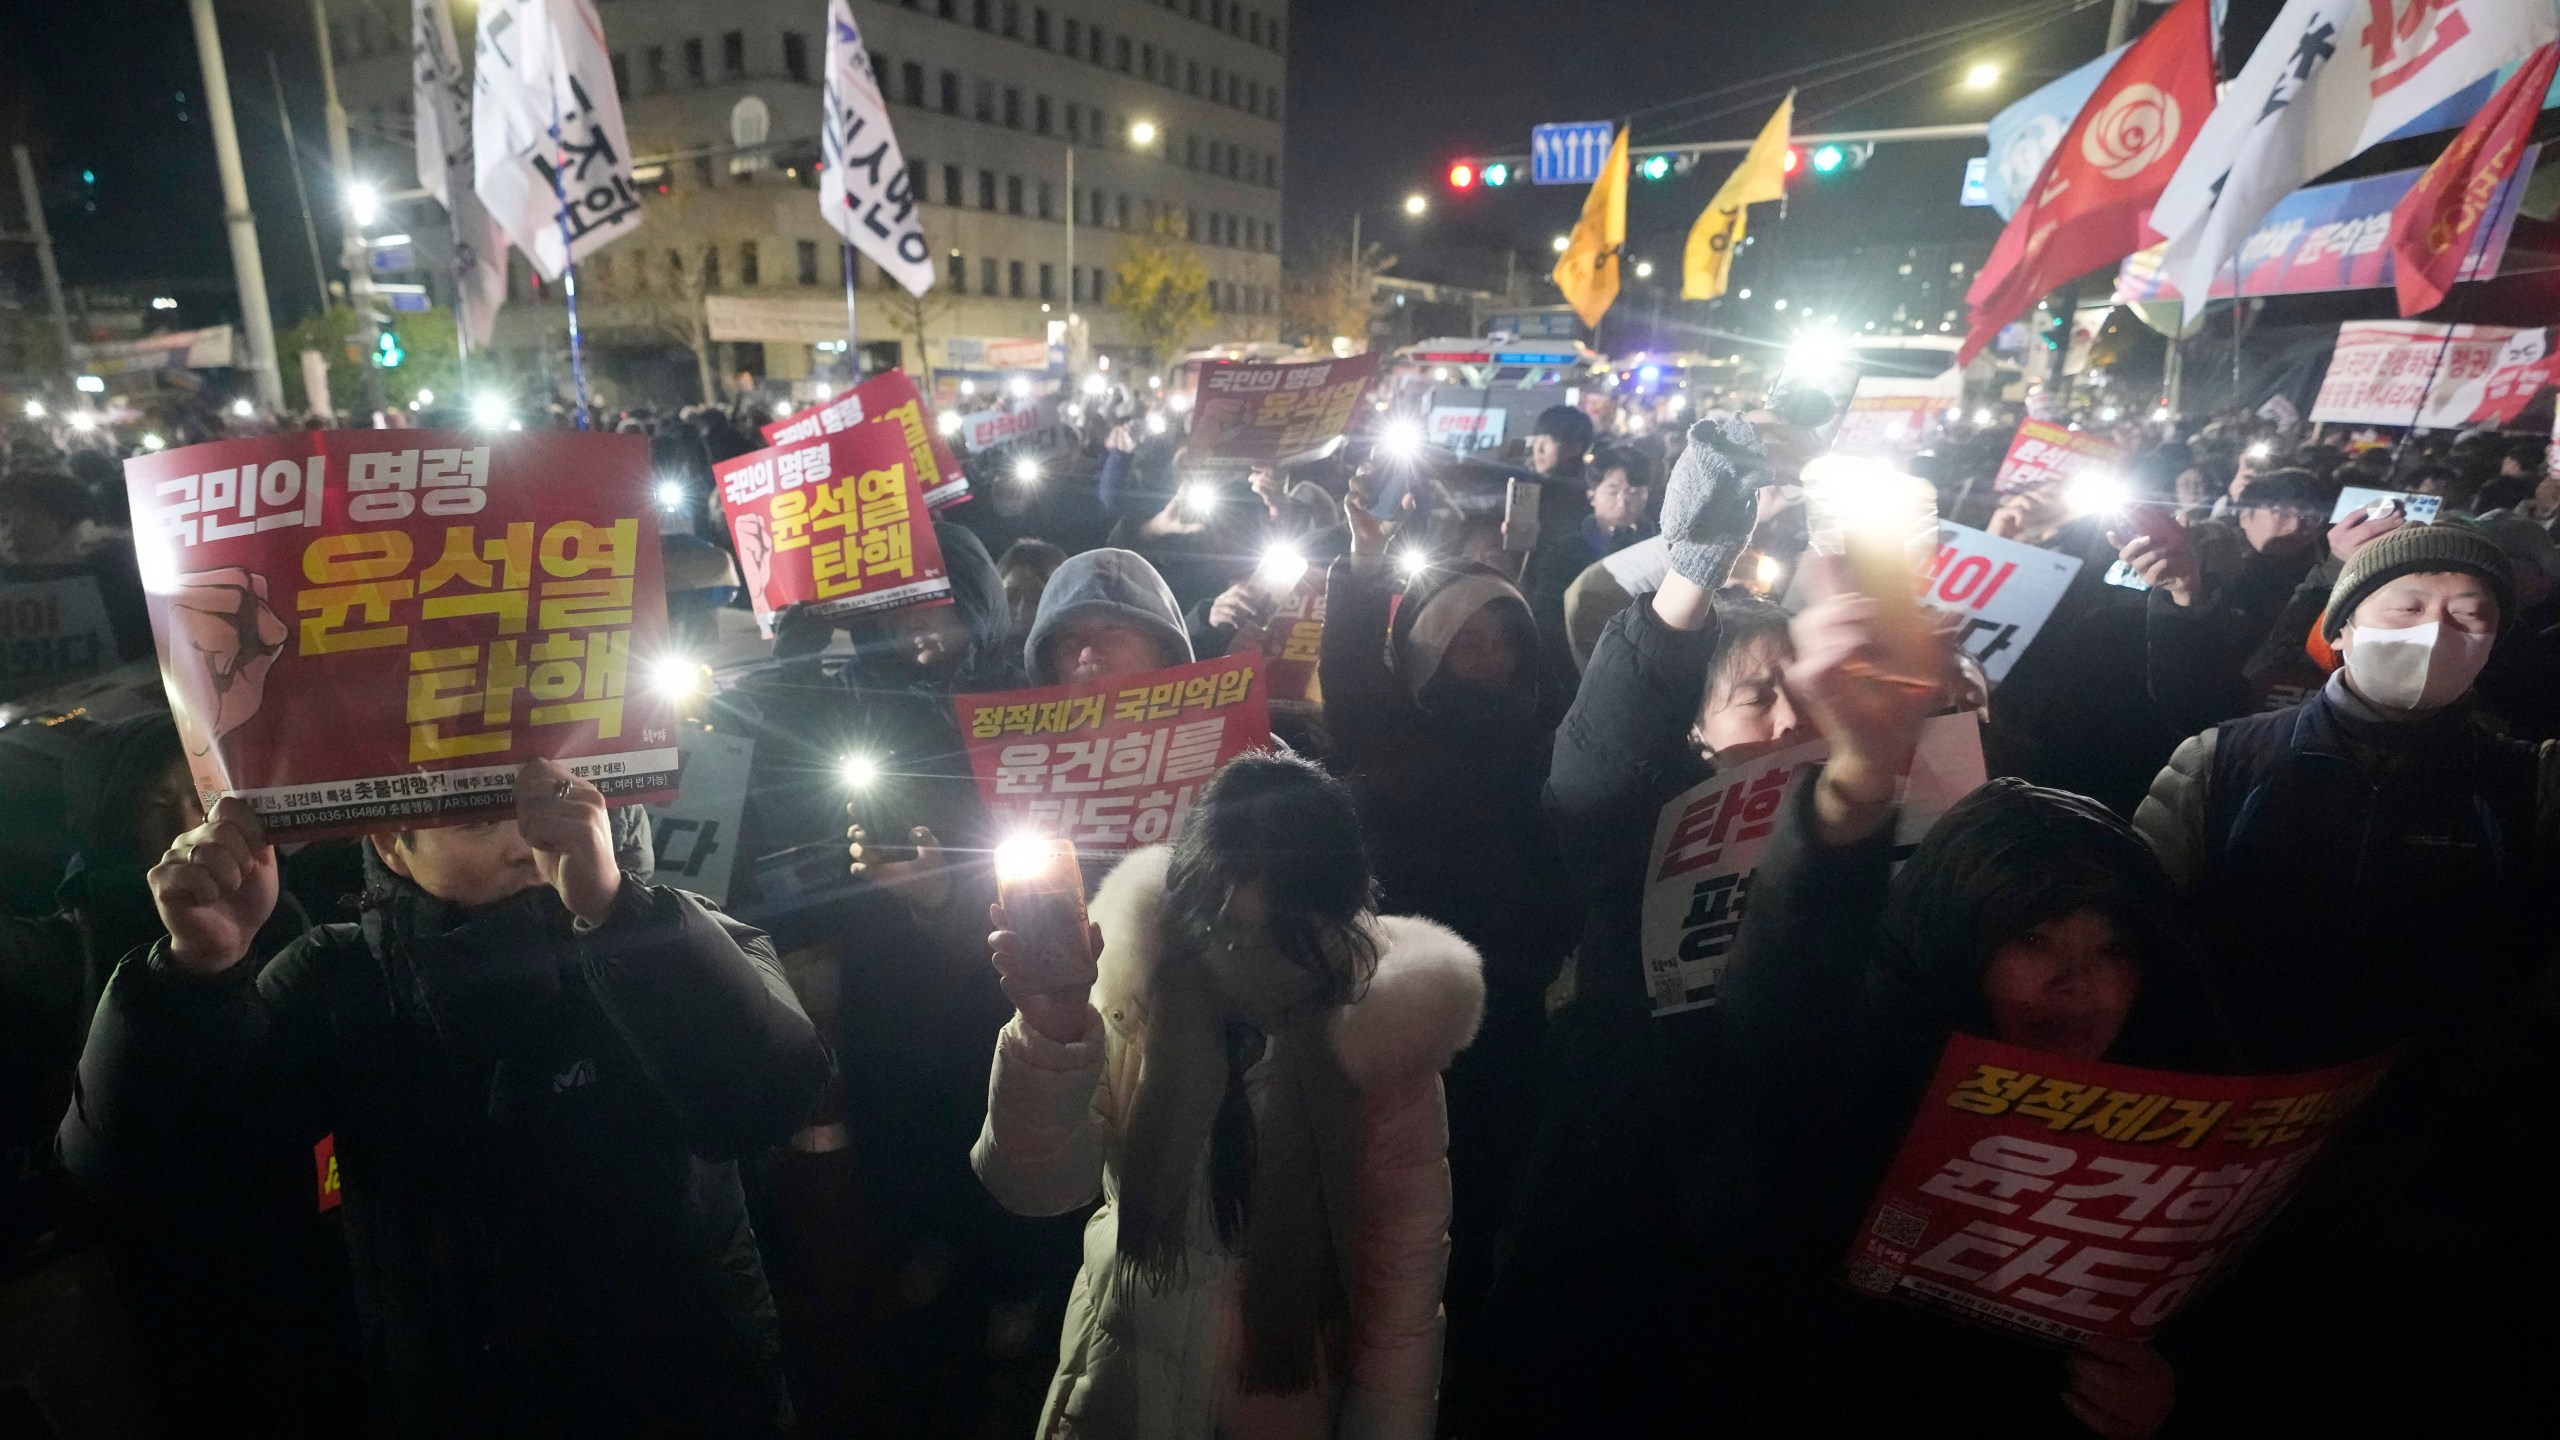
(539, 1074)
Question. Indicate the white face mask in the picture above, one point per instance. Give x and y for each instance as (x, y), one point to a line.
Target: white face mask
(2422, 667)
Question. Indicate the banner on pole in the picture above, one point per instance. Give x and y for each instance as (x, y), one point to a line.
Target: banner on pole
(837, 524)
(2042, 452)
(552, 160)
(887, 400)
(2069, 1199)
(1251, 411)
(865, 189)
(1113, 765)
(1709, 840)
(361, 628)
(2465, 375)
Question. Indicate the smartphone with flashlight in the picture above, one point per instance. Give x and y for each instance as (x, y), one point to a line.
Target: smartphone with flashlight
(1879, 526)
(1041, 889)
(1520, 515)
(1814, 389)
(2157, 523)
(872, 802)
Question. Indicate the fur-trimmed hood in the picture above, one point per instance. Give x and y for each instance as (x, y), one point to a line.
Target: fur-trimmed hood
(1414, 1016)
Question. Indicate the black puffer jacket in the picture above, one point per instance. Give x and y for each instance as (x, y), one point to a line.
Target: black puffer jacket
(536, 1129)
(1844, 988)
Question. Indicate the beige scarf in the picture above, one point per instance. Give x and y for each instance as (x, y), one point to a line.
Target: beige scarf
(1300, 1210)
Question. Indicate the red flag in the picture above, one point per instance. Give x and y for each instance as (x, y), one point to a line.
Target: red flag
(2091, 206)
(2433, 225)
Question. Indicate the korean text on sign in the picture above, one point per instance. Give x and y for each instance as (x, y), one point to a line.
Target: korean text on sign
(1294, 645)
(1709, 840)
(1113, 765)
(887, 401)
(837, 524)
(2042, 452)
(2072, 1198)
(52, 632)
(1998, 592)
(1270, 412)
(358, 627)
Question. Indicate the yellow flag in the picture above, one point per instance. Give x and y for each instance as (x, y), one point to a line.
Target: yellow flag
(1587, 272)
(1762, 175)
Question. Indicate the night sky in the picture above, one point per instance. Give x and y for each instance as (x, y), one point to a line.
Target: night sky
(1383, 97)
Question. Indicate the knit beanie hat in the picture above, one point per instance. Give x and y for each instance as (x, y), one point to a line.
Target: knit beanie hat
(2452, 545)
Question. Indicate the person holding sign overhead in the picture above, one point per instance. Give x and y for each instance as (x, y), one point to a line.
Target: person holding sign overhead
(540, 1074)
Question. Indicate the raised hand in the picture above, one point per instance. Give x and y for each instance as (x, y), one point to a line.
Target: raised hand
(214, 888)
(1058, 1006)
(2169, 568)
(563, 818)
(2120, 1389)
(923, 882)
(2362, 528)
(1872, 719)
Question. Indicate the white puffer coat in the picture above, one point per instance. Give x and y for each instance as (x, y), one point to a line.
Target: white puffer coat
(1133, 1365)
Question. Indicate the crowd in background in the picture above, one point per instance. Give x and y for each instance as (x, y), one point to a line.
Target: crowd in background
(2243, 819)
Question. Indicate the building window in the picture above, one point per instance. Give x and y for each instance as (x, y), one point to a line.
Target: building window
(986, 189)
(1093, 45)
(918, 173)
(1040, 28)
(1147, 64)
(1218, 13)
(1012, 108)
(1075, 121)
(1253, 27)
(950, 93)
(1013, 19)
(1048, 281)
(733, 53)
(693, 61)
(621, 73)
(795, 55)
(911, 77)
(987, 278)
(808, 262)
(944, 8)
(1040, 113)
(1120, 54)
(986, 102)
(951, 186)
(978, 13)
(1013, 278)
(1048, 202)
(1123, 205)
(1191, 76)
(881, 75)
(1191, 151)
(657, 58)
(710, 267)
(959, 274)
(1075, 282)
(750, 271)
(1013, 194)
(1190, 224)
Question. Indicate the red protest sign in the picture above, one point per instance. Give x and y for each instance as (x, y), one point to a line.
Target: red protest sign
(1270, 412)
(887, 402)
(1112, 765)
(838, 524)
(2043, 451)
(1294, 643)
(2073, 1198)
(365, 627)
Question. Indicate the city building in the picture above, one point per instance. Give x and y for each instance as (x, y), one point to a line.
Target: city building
(1173, 112)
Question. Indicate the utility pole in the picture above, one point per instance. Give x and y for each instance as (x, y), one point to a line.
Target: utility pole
(258, 327)
(352, 251)
(42, 234)
(293, 152)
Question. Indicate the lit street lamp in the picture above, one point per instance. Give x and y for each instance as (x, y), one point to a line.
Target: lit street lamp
(1414, 205)
(1982, 76)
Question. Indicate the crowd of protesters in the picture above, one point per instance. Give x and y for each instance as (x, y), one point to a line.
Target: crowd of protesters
(1355, 1119)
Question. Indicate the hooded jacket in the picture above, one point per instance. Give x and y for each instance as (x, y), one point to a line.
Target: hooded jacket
(1117, 585)
(536, 1127)
(1136, 1364)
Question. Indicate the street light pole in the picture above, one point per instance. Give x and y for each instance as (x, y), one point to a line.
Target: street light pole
(293, 152)
(258, 327)
(42, 234)
(352, 251)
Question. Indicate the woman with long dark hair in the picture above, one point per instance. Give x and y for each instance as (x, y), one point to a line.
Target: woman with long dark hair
(1249, 1079)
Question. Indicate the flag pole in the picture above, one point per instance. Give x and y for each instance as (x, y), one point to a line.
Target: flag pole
(852, 346)
(2452, 322)
(568, 265)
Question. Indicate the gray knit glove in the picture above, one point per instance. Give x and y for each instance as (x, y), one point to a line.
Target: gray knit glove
(1707, 509)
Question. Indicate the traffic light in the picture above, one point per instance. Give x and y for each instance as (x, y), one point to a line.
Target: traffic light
(1829, 158)
(387, 352)
(1654, 167)
(1794, 164)
(1461, 175)
(1497, 175)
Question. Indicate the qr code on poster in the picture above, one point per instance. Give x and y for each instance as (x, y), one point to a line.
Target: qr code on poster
(1897, 1226)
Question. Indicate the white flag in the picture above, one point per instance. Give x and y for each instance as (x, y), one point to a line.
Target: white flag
(549, 154)
(865, 191)
(444, 168)
(2332, 78)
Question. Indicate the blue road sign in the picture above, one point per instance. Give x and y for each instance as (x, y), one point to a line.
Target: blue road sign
(1977, 182)
(414, 304)
(391, 259)
(1571, 153)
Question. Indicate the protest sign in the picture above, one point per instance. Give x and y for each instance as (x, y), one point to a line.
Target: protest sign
(1112, 764)
(359, 628)
(1709, 840)
(887, 401)
(1889, 416)
(1251, 411)
(2467, 374)
(52, 632)
(2070, 1199)
(985, 429)
(694, 832)
(2042, 451)
(1999, 591)
(1463, 428)
(837, 524)
(1294, 643)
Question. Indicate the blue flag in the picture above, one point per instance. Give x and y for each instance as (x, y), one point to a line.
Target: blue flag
(2023, 136)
